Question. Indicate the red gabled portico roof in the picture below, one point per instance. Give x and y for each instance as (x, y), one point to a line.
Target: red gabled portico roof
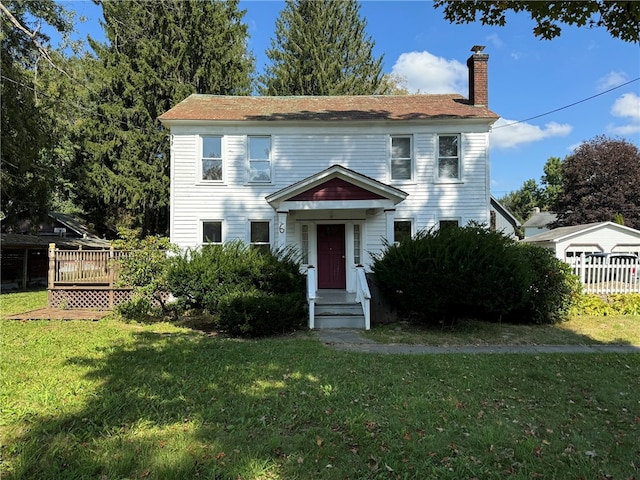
(349, 107)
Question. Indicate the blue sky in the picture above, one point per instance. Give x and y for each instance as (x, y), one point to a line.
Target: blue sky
(528, 77)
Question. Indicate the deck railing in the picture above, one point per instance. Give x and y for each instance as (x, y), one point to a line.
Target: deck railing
(85, 278)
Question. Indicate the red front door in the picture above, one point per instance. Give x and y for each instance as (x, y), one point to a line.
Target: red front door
(331, 262)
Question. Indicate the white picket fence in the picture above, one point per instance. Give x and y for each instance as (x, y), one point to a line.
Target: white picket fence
(600, 277)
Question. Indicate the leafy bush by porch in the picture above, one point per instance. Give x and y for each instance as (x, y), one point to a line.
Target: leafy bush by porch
(253, 293)
(441, 275)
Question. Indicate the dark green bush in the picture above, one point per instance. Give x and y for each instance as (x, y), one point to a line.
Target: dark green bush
(225, 279)
(255, 313)
(441, 275)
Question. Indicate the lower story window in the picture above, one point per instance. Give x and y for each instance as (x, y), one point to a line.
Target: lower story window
(449, 223)
(211, 232)
(260, 236)
(401, 230)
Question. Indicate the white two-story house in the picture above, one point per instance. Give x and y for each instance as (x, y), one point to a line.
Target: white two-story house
(334, 176)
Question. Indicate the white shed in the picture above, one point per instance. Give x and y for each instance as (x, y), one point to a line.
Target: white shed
(567, 242)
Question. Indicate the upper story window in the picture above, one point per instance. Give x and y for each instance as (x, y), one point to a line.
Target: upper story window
(211, 158)
(449, 157)
(401, 162)
(259, 149)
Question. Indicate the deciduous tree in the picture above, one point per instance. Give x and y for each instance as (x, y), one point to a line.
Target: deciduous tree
(321, 48)
(621, 19)
(27, 125)
(600, 182)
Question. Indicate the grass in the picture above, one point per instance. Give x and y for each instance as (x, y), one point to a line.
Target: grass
(581, 330)
(114, 400)
(11, 303)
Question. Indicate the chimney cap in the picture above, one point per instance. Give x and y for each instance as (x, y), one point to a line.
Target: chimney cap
(477, 48)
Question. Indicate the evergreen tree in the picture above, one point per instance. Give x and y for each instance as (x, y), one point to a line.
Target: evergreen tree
(27, 125)
(156, 55)
(321, 48)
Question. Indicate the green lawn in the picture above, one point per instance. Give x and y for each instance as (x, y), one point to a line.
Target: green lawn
(94, 400)
(580, 330)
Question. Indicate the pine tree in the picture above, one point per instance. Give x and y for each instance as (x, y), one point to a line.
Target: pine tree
(156, 55)
(321, 48)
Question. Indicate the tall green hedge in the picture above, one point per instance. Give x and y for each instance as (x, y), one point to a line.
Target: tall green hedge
(253, 293)
(441, 275)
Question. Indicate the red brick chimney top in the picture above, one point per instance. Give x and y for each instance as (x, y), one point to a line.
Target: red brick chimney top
(478, 78)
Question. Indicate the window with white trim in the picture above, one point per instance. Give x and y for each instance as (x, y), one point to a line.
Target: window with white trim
(449, 157)
(211, 158)
(449, 224)
(401, 231)
(304, 244)
(357, 244)
(211, 232)
(260, 236)
(259, 153)
(401, 158)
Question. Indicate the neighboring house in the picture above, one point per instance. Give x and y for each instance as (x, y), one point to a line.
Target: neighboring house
(24, 257)
(569, 242)
(502, 220)
(336, 177)
(538, 222)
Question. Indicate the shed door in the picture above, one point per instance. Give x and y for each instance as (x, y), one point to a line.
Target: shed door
(331, 257)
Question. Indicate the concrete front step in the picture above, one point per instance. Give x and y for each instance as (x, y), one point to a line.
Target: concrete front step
(339, 315)
(339, 321)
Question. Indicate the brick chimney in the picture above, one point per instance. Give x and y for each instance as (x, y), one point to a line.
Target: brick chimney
(478, 78)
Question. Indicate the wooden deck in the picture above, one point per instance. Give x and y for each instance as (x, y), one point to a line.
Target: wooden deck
(60, 314)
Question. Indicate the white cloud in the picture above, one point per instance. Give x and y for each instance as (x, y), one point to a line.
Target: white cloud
(495, 40)
(610, 80)
(627, 107)
(523, 133)
(426, 73)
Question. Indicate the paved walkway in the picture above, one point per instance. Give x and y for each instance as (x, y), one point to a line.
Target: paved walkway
(351, 340)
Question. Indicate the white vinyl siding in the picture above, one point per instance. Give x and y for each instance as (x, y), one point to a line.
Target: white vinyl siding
(299, 152)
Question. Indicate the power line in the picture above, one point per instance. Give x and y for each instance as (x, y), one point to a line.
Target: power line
(567, 106)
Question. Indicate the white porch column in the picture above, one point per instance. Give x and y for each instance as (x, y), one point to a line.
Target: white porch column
(390, 215)
(281, 229)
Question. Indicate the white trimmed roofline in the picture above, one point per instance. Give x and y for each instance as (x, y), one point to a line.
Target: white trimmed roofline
(564, 233)
(392, 195)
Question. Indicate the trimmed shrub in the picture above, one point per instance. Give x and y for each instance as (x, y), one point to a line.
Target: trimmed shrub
(255, 313)
(441, 275)
(241, 284)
